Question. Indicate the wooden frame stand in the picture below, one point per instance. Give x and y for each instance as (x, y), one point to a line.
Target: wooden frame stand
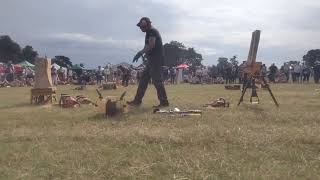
(42, 96)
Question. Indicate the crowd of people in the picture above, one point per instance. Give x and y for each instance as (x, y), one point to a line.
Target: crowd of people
(125, 75)
(11, 75)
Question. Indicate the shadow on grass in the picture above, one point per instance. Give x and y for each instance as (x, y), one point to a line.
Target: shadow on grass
(122, 116)
(21, 105)
(257, 109)
(102, 117)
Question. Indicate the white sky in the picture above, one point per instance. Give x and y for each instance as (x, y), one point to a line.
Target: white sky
(95, 32)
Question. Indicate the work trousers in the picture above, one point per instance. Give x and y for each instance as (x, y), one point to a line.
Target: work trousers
(154, 72)
(125, 80)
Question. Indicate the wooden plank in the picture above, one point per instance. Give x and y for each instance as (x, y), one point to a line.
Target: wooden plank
(254, 47)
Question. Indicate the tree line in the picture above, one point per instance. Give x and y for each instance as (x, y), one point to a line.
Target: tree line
(175, 53)
(12, 51)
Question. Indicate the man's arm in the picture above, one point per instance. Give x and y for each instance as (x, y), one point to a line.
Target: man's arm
(151, 44)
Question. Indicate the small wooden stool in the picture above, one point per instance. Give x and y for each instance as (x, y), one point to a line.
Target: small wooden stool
(109, 86)
(40, 96)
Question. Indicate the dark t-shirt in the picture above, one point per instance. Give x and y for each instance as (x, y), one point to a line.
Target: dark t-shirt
(273, 69)
(156, 55)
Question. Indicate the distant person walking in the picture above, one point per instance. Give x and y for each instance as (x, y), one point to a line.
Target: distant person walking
(99, 75)
(273, 71)
(173, 74)
(286, 71)
(306, 73)
(126, 74)
(9, 72)
(54, 75)
(316, 70)
(297, 70)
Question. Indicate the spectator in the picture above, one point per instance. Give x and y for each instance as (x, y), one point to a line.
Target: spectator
(54, 75)
(9, 72)
(125, 75)
(173, 73)
(107, 72)
(263, 70)
(286, 71)
(306, 73)
(273, 71)
(99, 75)
(228, 74)
(297, 70)
(316, 70)
(61, 75)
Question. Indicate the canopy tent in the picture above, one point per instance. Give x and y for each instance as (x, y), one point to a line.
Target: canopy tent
(26, 64)
(18, 68)
(182, 66)
(56, 66)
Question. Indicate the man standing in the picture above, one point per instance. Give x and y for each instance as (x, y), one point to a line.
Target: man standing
(297, 71)
(172, 73)
(316, 70)
(273, 71)
(9, 72)
(306, 73)
(107, 72)
(99, 75)
(54, 75)
(154, 53)
(125, 72)
(286, 70)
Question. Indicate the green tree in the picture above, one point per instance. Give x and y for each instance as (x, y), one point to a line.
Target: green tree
(178, 44)
(176, 53)
(62, 61)
(213, 71)
(234, 61)
(9, 50)
(293, 62)
(172, 54)
(192, 57)
(222, 65)
(311, 57)
(29, 54)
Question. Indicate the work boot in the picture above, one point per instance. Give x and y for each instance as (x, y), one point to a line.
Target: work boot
(133, 103)
(161, 105)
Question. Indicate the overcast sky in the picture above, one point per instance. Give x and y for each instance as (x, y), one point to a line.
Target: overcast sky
(95, 32)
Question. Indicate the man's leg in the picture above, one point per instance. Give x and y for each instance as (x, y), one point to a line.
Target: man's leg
(122, 81)
(143, 85)
(316, 77)
(155, 73)
(127, 81)
(161, 92)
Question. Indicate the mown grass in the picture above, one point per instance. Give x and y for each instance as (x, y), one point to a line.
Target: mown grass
(245, 142)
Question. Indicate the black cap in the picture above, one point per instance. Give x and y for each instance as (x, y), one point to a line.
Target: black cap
(145, 19)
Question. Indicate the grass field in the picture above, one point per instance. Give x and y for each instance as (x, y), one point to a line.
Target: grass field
(245, 142)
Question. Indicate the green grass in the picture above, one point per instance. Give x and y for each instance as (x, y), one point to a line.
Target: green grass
(245, 142)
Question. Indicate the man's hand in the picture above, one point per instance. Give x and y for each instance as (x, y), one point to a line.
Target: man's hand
(137, 56)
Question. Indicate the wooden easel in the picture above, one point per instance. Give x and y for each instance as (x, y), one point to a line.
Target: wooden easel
(252, 72)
